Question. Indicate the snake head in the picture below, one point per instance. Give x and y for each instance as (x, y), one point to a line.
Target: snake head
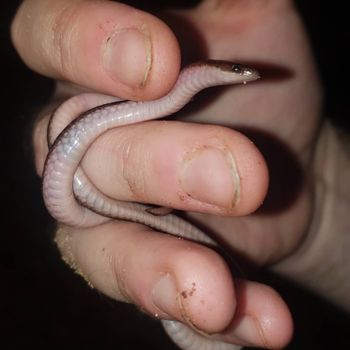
(234, 72)
(250, 73)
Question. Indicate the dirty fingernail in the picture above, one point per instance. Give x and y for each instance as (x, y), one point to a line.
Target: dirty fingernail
(210, 175)
(127, 56)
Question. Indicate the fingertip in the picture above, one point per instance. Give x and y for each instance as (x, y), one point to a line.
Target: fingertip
(277, 323)
(264, 319)
(183, 281)
(139, 54)
(197, 289)
(103, 45)
(206, 290)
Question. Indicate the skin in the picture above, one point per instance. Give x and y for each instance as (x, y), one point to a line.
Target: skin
(280, 113)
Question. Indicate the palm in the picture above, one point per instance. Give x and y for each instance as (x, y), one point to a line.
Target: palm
(280, 114)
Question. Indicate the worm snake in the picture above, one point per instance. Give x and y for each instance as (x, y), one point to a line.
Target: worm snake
(73, 200)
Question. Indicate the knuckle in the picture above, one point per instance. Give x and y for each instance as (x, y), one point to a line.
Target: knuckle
(124, 158)
(134, 167)
(115, 265)
(64, 29)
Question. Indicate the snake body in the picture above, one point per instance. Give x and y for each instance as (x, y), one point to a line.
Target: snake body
(72, 199)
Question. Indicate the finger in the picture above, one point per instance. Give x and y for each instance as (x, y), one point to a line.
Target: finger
(186, 166)
(194, 167)
(178, 280)
(103, 45)
(262, 318)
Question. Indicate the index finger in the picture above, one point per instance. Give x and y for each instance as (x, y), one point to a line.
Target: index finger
(102, 45)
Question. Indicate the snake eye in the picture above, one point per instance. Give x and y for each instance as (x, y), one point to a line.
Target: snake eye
(236, 68)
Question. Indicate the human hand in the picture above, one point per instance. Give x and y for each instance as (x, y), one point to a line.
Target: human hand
(110, 255)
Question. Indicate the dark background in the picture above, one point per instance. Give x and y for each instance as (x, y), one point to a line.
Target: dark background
(42, 303)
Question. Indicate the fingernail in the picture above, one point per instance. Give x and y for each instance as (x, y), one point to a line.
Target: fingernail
(164, 295)
(127, 56)
(250, 333)
(210, 175)
(169, 301)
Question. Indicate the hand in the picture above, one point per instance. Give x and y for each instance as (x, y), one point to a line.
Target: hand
(145, 161)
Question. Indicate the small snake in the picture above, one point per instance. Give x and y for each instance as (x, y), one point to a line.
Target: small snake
(73, 200)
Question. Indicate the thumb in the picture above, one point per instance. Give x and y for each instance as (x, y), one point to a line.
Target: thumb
(102, 45)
